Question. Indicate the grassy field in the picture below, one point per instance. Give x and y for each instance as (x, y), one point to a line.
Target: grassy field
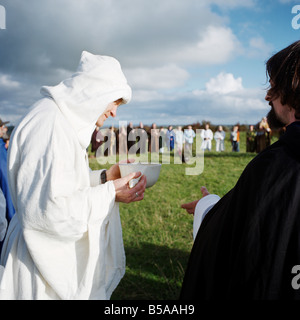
(157, 233)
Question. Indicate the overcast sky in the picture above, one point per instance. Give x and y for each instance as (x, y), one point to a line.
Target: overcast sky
(186, 60)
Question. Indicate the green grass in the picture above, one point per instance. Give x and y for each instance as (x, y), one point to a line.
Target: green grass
(157, 233)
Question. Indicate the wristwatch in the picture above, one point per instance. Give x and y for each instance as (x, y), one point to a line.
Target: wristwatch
(103, 177)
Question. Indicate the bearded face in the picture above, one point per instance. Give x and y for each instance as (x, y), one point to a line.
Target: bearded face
(273, 119)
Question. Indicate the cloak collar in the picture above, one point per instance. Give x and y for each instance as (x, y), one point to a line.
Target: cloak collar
(292, 138)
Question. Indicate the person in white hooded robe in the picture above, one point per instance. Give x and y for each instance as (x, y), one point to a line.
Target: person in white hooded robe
(65, 240)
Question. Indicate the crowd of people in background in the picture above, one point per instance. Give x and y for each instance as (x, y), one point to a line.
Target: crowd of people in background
(140, 139)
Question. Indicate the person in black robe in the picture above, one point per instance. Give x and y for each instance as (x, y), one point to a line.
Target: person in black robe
(131, 139)
(248, 244)
(96, 140)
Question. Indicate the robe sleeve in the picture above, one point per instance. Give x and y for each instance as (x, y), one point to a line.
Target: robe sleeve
(202, 208)
(95, 177)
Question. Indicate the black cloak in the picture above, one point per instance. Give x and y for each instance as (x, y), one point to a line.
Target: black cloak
(249, 241)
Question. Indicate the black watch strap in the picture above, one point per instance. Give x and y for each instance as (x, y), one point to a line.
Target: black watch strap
(103, 177)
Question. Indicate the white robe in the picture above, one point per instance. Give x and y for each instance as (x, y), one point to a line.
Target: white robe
(179, 137)
(219, 138)
(65, 240)
(208, 135)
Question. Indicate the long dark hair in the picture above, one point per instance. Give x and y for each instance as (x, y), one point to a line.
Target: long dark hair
(283, 70)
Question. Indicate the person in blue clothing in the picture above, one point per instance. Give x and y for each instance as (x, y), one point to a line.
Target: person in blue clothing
(170, 138)
(10, 211)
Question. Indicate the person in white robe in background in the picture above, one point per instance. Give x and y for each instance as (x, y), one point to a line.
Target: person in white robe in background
(207, 136)
(219, 137)
(179, 139)
(65, 240)
(188, 137)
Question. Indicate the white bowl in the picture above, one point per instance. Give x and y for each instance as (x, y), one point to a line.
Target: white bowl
(150, 170)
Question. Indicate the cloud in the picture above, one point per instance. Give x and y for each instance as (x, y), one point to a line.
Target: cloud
(234, 3)
(140, 32)
(259, 48)
(227, 101)
(228, 91)
(52, 33)
(7, 83)
(224, 83)
(161, 45)
(217, 45)
(169, 76)
(223, 100)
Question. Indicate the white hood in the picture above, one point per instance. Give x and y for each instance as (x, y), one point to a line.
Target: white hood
(82, 98)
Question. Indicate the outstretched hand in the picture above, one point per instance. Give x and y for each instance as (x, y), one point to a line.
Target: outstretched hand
(190, 206)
